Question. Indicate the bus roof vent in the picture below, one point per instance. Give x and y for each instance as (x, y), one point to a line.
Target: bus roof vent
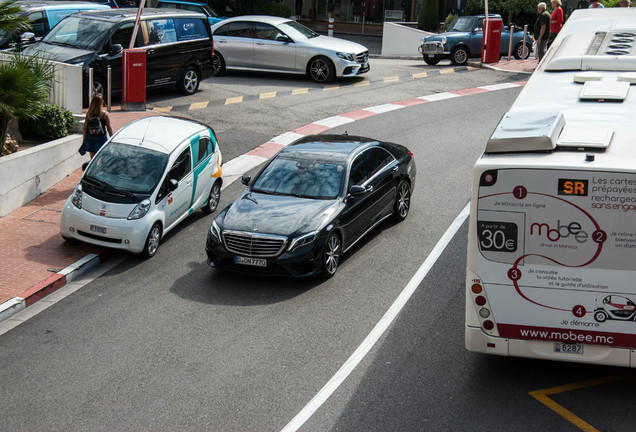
(586, 137)
(604, 91)
(526, 131)
(611, 50)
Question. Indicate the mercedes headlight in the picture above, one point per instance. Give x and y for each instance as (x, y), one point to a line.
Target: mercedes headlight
(346, 56)
(215, 231)
(303, 240)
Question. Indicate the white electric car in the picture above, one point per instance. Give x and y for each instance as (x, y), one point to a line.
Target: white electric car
(147, 178)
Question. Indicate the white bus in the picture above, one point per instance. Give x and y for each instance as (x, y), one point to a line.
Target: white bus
(551, 266)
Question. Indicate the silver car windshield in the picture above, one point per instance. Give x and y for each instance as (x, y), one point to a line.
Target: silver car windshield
(461, 24)
(306, 178)
(127, 168)
(296, 30)
(79, 32)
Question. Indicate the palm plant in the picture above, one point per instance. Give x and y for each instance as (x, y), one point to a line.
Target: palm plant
(11, 18)
(26, 84)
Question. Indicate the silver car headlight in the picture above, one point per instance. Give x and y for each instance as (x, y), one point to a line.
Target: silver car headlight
(140, 210)
(346, 56)
(303, 240)
(444, 40)
(76, 198)
(215, 231)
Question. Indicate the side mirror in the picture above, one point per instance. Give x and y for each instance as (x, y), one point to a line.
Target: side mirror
(27, 37)
(246, 180)
(116, 49)
(283, 38)
(173, 185)
(357, 190)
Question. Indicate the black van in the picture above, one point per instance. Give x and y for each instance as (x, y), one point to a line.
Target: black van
(178, 46)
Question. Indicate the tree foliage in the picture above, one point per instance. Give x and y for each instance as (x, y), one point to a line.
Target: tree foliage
(428, 19)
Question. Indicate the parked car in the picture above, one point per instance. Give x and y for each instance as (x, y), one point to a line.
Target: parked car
(42, 16)
(193, 6)
(178, 46)
(147, 178)
(463, 40)
(310, 204)
(274, 44)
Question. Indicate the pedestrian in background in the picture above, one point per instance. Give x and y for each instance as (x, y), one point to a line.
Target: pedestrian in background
(624, 3)
(95, 136)
(557, 20)
(596, 4)
(542, 30)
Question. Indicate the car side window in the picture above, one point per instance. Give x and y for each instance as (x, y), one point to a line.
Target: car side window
(377, 159)
(182, 166)
(266, 31)
(202, 149)
(359, 172)
(159, 31)
(38, 23)
(240, 29)
(122, 36)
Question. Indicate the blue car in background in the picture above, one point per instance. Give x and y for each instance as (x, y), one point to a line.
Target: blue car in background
(463, 40)
(192, 6)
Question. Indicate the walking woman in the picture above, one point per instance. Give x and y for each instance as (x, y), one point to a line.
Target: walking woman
(96, 125)
(557, 20)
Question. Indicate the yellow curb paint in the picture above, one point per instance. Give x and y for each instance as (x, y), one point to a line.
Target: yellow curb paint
(331, 87)
(420, 75)
(391, 79)
(300, 91)
(267, 95)
(162, 109)
(199, 105)
(362, 84)
(542, 396)
(233, 100)
(446, 71)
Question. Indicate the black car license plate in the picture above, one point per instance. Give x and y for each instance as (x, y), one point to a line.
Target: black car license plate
(257, 262)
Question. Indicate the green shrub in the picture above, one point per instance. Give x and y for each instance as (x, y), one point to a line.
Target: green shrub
(51, 123)
(278, 9)
(427, 19)
(448, 20)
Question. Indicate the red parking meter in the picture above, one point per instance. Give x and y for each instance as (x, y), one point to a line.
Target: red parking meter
(491, 46)
(134, 79)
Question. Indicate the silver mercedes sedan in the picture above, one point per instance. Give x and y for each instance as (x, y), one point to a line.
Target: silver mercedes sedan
(274, 44)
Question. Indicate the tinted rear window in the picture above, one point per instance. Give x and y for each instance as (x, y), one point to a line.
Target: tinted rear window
(191, 28)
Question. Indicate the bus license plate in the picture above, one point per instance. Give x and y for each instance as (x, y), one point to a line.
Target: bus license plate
(568, 348)
(98, 229)
(257, 262)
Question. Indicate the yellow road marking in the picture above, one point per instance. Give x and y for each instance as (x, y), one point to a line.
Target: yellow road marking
(391, 79)
(199, 105)
(331, 87)
(300, 91)
(446, 71)
(162, 109)
(267, 95)
(420, 75)
(542, 396)
(362, 84)
(233, 100)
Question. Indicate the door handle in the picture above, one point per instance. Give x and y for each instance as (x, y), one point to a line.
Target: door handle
(369, 188)
(395, 168)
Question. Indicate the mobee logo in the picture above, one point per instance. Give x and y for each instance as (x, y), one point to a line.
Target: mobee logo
(561, 231)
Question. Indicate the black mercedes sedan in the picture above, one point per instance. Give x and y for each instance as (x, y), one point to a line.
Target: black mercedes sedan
(311, 203)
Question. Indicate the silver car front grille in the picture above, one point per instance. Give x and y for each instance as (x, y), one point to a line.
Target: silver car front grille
(362, 57)
(253, 244)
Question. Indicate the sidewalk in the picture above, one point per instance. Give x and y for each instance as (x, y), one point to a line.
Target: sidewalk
(35, 260)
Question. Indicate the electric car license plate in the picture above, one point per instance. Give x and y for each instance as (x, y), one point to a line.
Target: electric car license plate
(257, 262)
(566, 348)
(98, 229)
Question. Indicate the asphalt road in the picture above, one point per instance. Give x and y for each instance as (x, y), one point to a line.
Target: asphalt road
(170, 344)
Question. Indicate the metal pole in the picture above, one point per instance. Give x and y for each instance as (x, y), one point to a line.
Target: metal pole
(91, 87)
(512, 30)
(525, 32)
(364, 15)
(108, 81)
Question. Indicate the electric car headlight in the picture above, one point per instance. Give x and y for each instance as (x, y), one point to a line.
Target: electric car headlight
(444, 40)
(215, 231)
(346, 56)
(76, 198)
(140, 210)
(303, 240)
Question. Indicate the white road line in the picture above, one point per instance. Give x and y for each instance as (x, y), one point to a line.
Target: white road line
(379, 328)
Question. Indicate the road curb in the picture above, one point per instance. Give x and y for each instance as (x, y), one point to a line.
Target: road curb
(52, 284)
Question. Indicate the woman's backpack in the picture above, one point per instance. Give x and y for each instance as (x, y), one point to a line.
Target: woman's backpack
(95, 126)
